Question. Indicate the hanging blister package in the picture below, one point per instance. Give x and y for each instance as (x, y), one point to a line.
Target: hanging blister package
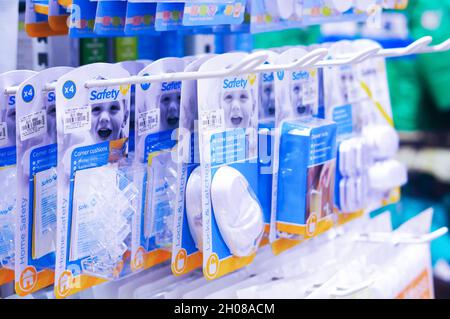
(367, 175)
(266, 138)
(8, 173)
(110, 17)
(187, 230)
(95, 199)
(304, 158)
(233, 222)
(37, 24)
(140, 18)
(342, 92)
(36, 181)
(155, 169)
(375, 122)
(343, 101)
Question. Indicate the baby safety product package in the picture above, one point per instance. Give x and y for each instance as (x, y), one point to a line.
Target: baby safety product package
(155, 169)
(342, 104)
(233, 222)
(188, 229)
(357, 98)
(8, 173)
(37, 181)
(266, 138)
(304, 157)
(375, 123)
(95, 199)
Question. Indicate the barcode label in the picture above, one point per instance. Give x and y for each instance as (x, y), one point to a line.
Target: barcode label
(77, 119)
(32, 125)
(3, 133)
(148, 121)
(211, 120)
(310, 95)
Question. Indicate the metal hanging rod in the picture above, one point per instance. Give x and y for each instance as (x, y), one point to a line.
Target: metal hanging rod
(254, 63)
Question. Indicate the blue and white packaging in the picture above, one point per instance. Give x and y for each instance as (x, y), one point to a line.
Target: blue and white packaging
(36, 181)
(95, 199)
(110, 17)
(306, 176)
(169, 16)
(188, 229)
(155, 164)
(304, 157)
(342, 90)
(82, 18)
(8, 173)
(265, 137)
(233, 222)
(140, 18)
(375, 124)
(213, 12)
(357, 99)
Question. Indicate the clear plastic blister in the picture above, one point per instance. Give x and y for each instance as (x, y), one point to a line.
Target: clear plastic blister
(8, 181)
(162, 190)
(108, 198)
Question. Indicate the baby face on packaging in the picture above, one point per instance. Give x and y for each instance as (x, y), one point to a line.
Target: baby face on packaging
(10, 119)
(268, 100)
(347, 84)
(170, 110)
(238, 108)
(51, 121)
(297, 99)
(108, 119)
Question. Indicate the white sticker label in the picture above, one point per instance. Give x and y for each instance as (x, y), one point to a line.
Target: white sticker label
(3, 133)
(211, 120)
(77, 119)
(32, 125)
(148, 121)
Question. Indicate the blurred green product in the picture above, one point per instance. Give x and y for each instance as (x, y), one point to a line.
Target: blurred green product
(432, 17)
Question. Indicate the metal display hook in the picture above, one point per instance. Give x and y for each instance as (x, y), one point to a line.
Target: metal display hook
(412, 239)
(414, 47)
